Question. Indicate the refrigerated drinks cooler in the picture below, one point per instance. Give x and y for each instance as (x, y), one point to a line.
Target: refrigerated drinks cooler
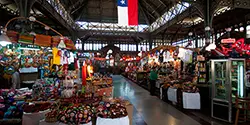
(228, 79)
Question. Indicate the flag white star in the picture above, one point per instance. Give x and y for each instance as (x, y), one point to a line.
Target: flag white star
(122, 1)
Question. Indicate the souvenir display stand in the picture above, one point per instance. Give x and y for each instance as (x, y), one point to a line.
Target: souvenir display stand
(181, 94)
(175, 82)
(141, 77)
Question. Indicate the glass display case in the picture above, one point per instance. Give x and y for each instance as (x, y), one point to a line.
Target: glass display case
(228, 79)
(220, 84)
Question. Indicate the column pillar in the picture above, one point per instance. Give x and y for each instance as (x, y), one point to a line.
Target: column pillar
(215, 36)
(196, 41)
(207, 21)
(92, 45)
(150, 41)
(245, 29)
(82, 45)
(137, 46)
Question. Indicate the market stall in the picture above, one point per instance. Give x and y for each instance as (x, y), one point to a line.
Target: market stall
(174, 66)
(56, 95)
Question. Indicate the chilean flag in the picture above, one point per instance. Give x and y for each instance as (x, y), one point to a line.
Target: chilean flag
(127, 12)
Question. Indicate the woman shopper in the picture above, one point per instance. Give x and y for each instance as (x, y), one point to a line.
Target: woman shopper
(153, 76)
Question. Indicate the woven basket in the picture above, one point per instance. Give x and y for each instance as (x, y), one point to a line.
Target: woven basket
(54, 119)
(51, 120)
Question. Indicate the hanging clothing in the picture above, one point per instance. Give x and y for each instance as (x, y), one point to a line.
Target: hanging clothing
(71, 58)
(76, 63)
(62, 57)
(188, 56)
(56, 57)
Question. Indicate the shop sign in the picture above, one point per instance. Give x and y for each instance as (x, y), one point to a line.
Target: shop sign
(230, 40)
(239, 46)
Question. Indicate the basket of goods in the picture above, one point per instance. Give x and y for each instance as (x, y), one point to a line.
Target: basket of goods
(109, 81)
(176, 86)
(96, 82)
(118, 100)
(189, 88)
(53, 114)
(105, 90)
(111, 111)
(166, 85)
(76, 114)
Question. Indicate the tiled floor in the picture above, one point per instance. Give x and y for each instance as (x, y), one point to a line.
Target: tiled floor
(149, 110)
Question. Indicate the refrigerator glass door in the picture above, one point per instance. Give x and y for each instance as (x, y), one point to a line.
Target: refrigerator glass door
(220, 79)
(237, 78)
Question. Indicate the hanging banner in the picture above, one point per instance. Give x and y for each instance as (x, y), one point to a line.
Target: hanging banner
(42, 40)
(26, 39)
(127, 12)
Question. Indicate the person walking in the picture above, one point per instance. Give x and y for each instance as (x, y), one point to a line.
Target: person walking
(153, 76)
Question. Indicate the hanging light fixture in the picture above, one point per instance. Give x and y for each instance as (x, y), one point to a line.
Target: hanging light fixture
(61, 44)
(207, 28)
(4, 39)
(190, 34)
